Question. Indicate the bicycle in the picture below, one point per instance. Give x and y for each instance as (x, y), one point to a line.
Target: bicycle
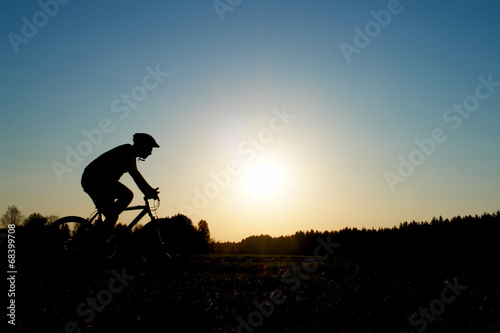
(81, 233)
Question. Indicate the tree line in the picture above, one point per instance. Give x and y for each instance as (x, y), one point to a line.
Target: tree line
(458, 237)
(14, 216)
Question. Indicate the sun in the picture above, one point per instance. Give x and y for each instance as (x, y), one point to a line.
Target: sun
(263, 178)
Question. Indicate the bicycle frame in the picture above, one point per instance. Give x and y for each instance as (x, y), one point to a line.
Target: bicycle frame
(146, 209)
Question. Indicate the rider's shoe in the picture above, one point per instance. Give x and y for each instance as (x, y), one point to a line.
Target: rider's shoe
(111, 221)
(104, 230)
(100, 226)
(110, 247)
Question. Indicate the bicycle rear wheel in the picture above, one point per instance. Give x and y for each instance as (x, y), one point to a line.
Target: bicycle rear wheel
(75, 233)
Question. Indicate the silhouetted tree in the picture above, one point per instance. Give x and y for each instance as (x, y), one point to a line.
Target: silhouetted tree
(36, 221)
(181, 236)
(204, 231)
(204, 242)
(12, 216)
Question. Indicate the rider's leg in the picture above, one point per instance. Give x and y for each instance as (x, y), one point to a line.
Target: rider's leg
(104, 199)
(123, 198)
(104, 202)
(110, 199)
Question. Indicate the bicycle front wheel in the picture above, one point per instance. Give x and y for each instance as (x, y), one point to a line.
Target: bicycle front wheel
(153, 240)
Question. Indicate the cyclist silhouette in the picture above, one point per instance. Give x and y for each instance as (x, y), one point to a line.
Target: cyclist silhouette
(100, 179)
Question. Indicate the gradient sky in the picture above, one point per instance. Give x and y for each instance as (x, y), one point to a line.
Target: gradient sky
(227, 79)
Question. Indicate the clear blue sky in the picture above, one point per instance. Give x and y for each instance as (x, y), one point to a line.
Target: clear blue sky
(353, 116)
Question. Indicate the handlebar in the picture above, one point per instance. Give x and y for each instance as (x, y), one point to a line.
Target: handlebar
(146, 197)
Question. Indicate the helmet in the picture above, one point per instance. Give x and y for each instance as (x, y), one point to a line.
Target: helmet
(143, 139)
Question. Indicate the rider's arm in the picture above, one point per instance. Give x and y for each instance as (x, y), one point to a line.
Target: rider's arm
(142, 183)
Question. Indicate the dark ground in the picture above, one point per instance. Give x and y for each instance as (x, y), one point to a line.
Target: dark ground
(208, 293)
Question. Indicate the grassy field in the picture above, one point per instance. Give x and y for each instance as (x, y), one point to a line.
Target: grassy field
(217, 293)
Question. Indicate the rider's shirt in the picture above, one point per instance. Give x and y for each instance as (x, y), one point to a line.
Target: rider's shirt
(111, 165)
